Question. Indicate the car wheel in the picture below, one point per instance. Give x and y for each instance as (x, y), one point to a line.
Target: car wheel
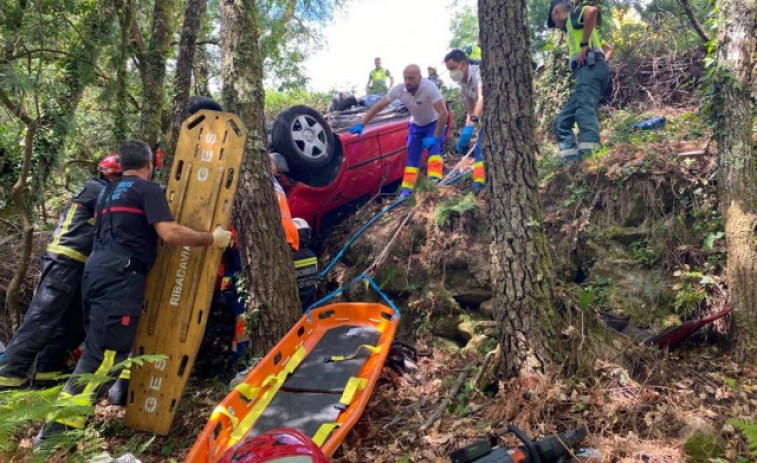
(303, 137)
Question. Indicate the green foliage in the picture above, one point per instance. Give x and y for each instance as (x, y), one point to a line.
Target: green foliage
(577, 192)
(277, 101)
(749, 429)
(289, 32)
(643, 254)
(22, 407)
(595, 294)
(458, 206)
(688, 299)
(464, 27)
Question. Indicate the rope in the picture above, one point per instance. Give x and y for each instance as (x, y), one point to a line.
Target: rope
(357, 234)
(362, 277)
(446, 180)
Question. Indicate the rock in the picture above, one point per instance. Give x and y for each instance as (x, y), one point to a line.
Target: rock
(444, 344)
(627, 235)
(487, 309)
(474, 346)
(445, 326)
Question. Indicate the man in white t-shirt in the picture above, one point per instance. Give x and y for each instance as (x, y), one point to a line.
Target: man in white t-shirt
(429, 111)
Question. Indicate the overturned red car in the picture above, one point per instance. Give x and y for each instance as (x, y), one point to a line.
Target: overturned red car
(331, 171)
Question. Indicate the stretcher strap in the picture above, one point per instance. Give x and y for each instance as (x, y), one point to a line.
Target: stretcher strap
(221, 410)
(275, 383)
(353, 385)
(323, 433)
(342, 358)
(247, 391)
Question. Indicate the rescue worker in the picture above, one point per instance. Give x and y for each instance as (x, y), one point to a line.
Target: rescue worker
(588, 59)
(54, 323)
(434, 77)
(279, 165)
(377, 79)
(469, 77)
(305, 265)
(132, 212)
(474, 52)
(428, 109)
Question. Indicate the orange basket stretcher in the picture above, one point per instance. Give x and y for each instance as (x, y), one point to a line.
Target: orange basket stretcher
(317, 379)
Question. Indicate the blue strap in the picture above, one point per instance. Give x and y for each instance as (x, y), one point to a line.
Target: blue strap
(383, 295)
(362, 229)
(457, 177)
(358, 279)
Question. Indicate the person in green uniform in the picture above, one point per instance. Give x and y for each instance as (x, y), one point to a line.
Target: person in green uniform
(588, 59)
(377, 79)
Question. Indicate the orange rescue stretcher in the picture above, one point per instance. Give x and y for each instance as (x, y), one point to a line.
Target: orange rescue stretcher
(317, 380)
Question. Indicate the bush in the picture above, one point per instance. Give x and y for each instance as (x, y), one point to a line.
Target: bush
(277, 101)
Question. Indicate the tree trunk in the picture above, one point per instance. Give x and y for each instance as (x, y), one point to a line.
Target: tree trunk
(521, 268)
(737, 168)
(274, 302)
(20, 203)
(182, 83)
(202, 71)
(155, 71)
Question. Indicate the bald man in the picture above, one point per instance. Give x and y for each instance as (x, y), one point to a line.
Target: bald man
(429, 116)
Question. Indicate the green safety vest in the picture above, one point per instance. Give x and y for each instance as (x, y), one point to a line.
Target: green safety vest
(475, 52)
(575, 28)
(379, 75)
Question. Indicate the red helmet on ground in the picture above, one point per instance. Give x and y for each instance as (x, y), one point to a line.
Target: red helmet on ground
(278, 445)
(109, 165)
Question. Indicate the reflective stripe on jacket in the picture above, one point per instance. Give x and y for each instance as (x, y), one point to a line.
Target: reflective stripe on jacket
(290, 229)
(73, 237)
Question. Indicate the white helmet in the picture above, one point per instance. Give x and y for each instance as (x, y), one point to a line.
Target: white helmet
(279, 161)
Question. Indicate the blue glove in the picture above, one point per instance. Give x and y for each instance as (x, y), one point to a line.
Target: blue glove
(464, 139)
(428, 142)
(357, 128)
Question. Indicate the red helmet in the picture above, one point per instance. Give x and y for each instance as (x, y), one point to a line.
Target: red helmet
(109, 165)
(278, 445)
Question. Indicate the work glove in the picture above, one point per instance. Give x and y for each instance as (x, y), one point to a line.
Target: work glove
(357, 128)
(221, 237)
(428, 142)
(464, 140)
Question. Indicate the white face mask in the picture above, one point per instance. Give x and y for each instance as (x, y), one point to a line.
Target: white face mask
(456, 75)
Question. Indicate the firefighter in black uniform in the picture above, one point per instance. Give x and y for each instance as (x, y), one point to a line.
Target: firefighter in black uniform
(54, 325)
(305, 264)
(132, 213)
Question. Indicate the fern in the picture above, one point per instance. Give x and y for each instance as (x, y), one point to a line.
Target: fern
(21, 407)
(457, 207)
(749, 429)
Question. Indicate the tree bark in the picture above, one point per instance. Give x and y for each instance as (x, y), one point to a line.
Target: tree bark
(521, 269)
(737, 167)
(19, 201)
(155, 72)
(193, 14)
(274, 303)
(694, 21)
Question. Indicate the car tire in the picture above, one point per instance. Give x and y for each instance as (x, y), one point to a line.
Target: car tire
(303, 137)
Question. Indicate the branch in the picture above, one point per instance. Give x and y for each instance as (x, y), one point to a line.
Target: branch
(452, 393)
(16, 109)
(694, 21)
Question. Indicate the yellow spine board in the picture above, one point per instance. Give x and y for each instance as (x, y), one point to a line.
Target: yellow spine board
(180, 285)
